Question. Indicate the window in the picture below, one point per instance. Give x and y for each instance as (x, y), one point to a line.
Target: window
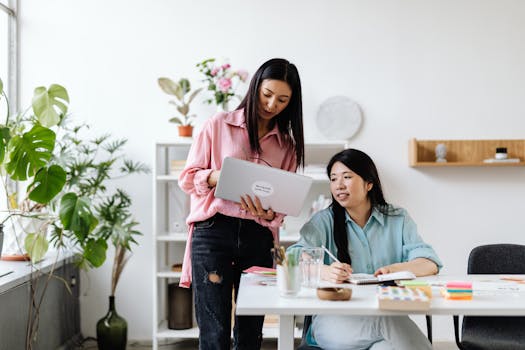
(4, 45)
(9, 49)
(8, 63)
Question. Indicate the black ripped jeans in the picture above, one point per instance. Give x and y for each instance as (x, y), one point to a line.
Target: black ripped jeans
(222, 247)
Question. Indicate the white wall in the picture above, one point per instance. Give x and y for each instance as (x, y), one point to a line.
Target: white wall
(420, 68)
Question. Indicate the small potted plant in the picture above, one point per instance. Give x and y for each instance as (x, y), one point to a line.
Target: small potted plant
(183, 98)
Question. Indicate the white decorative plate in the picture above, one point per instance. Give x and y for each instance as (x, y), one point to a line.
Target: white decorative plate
(339, 117)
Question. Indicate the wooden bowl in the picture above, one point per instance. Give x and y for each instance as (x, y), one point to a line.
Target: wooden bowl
(331, 293)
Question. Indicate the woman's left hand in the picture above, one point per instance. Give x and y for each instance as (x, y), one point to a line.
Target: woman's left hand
(383, 270)
(255, 207)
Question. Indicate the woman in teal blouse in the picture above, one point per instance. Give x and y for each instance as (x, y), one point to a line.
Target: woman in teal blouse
(367, 235)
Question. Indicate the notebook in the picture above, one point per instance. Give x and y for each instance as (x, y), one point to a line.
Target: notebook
(364, 278)
(281, 190)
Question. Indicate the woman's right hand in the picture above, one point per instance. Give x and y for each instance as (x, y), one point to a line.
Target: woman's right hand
(336, 273)
(213, 178)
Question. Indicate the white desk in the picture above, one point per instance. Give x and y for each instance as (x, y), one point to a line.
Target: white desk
(257, 299)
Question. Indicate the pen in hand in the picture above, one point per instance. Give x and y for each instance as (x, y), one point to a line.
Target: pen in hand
(330, 254)
(334, 257)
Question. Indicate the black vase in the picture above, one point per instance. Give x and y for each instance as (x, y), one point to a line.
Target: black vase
(112, 330)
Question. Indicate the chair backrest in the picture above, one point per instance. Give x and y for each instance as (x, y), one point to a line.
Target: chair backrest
(497, 259)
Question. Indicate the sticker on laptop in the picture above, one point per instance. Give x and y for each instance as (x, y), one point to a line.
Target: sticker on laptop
(262, 188)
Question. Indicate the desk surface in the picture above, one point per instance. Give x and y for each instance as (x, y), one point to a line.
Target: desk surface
(491, 297)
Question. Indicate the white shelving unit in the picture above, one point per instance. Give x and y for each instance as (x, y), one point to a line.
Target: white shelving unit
(171, 207)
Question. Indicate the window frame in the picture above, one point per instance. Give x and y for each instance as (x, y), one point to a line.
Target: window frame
(13, 73)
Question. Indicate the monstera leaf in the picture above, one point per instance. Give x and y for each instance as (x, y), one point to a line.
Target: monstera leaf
(95, 251)
(76, 215)
(47, 103)
(47, 184)
(30, 152)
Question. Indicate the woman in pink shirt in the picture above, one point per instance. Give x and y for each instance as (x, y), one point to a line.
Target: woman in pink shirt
(226, 237)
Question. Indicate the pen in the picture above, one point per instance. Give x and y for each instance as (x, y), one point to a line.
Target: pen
(330, 254)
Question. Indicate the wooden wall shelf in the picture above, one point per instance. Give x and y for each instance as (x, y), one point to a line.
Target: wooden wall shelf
(464, 152)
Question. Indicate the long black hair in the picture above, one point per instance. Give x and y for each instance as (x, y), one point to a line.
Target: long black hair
(361, 164)
(290, 120)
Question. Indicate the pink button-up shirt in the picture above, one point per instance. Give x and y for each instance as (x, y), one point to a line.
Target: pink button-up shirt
(225, 135)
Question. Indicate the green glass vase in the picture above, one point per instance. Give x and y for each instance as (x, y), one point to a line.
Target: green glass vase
(112, 330)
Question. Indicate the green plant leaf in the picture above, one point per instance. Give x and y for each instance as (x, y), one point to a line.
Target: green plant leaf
(76, 215)
(184, 109)
(36, 246)
(116, 221)
(95, 251)
(30, 152)
(4, 141)
(129, 167)
(193, 94)
(48, 102)
(185, 85)
(1, 86)
(176, 120)
(47, 184)
(171, 88)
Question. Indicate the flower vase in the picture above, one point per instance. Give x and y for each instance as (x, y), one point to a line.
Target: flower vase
(112, 330)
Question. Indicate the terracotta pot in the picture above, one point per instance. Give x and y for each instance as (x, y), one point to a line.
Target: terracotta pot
(15, 257)
(185, 130)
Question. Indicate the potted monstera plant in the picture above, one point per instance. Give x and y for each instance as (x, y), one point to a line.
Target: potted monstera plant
(31, 178)
(56, 187)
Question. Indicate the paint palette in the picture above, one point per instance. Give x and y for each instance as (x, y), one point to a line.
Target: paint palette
(401, 298)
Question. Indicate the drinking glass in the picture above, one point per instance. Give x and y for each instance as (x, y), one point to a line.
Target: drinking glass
(311, 260)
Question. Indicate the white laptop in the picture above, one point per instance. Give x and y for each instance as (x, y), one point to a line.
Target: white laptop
(281, 190)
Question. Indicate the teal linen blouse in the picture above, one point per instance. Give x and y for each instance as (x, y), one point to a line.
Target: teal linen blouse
(385, 239)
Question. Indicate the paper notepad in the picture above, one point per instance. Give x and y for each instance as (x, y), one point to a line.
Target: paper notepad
(259, 270)
(364, 278)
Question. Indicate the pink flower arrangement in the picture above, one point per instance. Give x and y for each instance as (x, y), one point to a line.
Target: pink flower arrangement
(222, 81)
